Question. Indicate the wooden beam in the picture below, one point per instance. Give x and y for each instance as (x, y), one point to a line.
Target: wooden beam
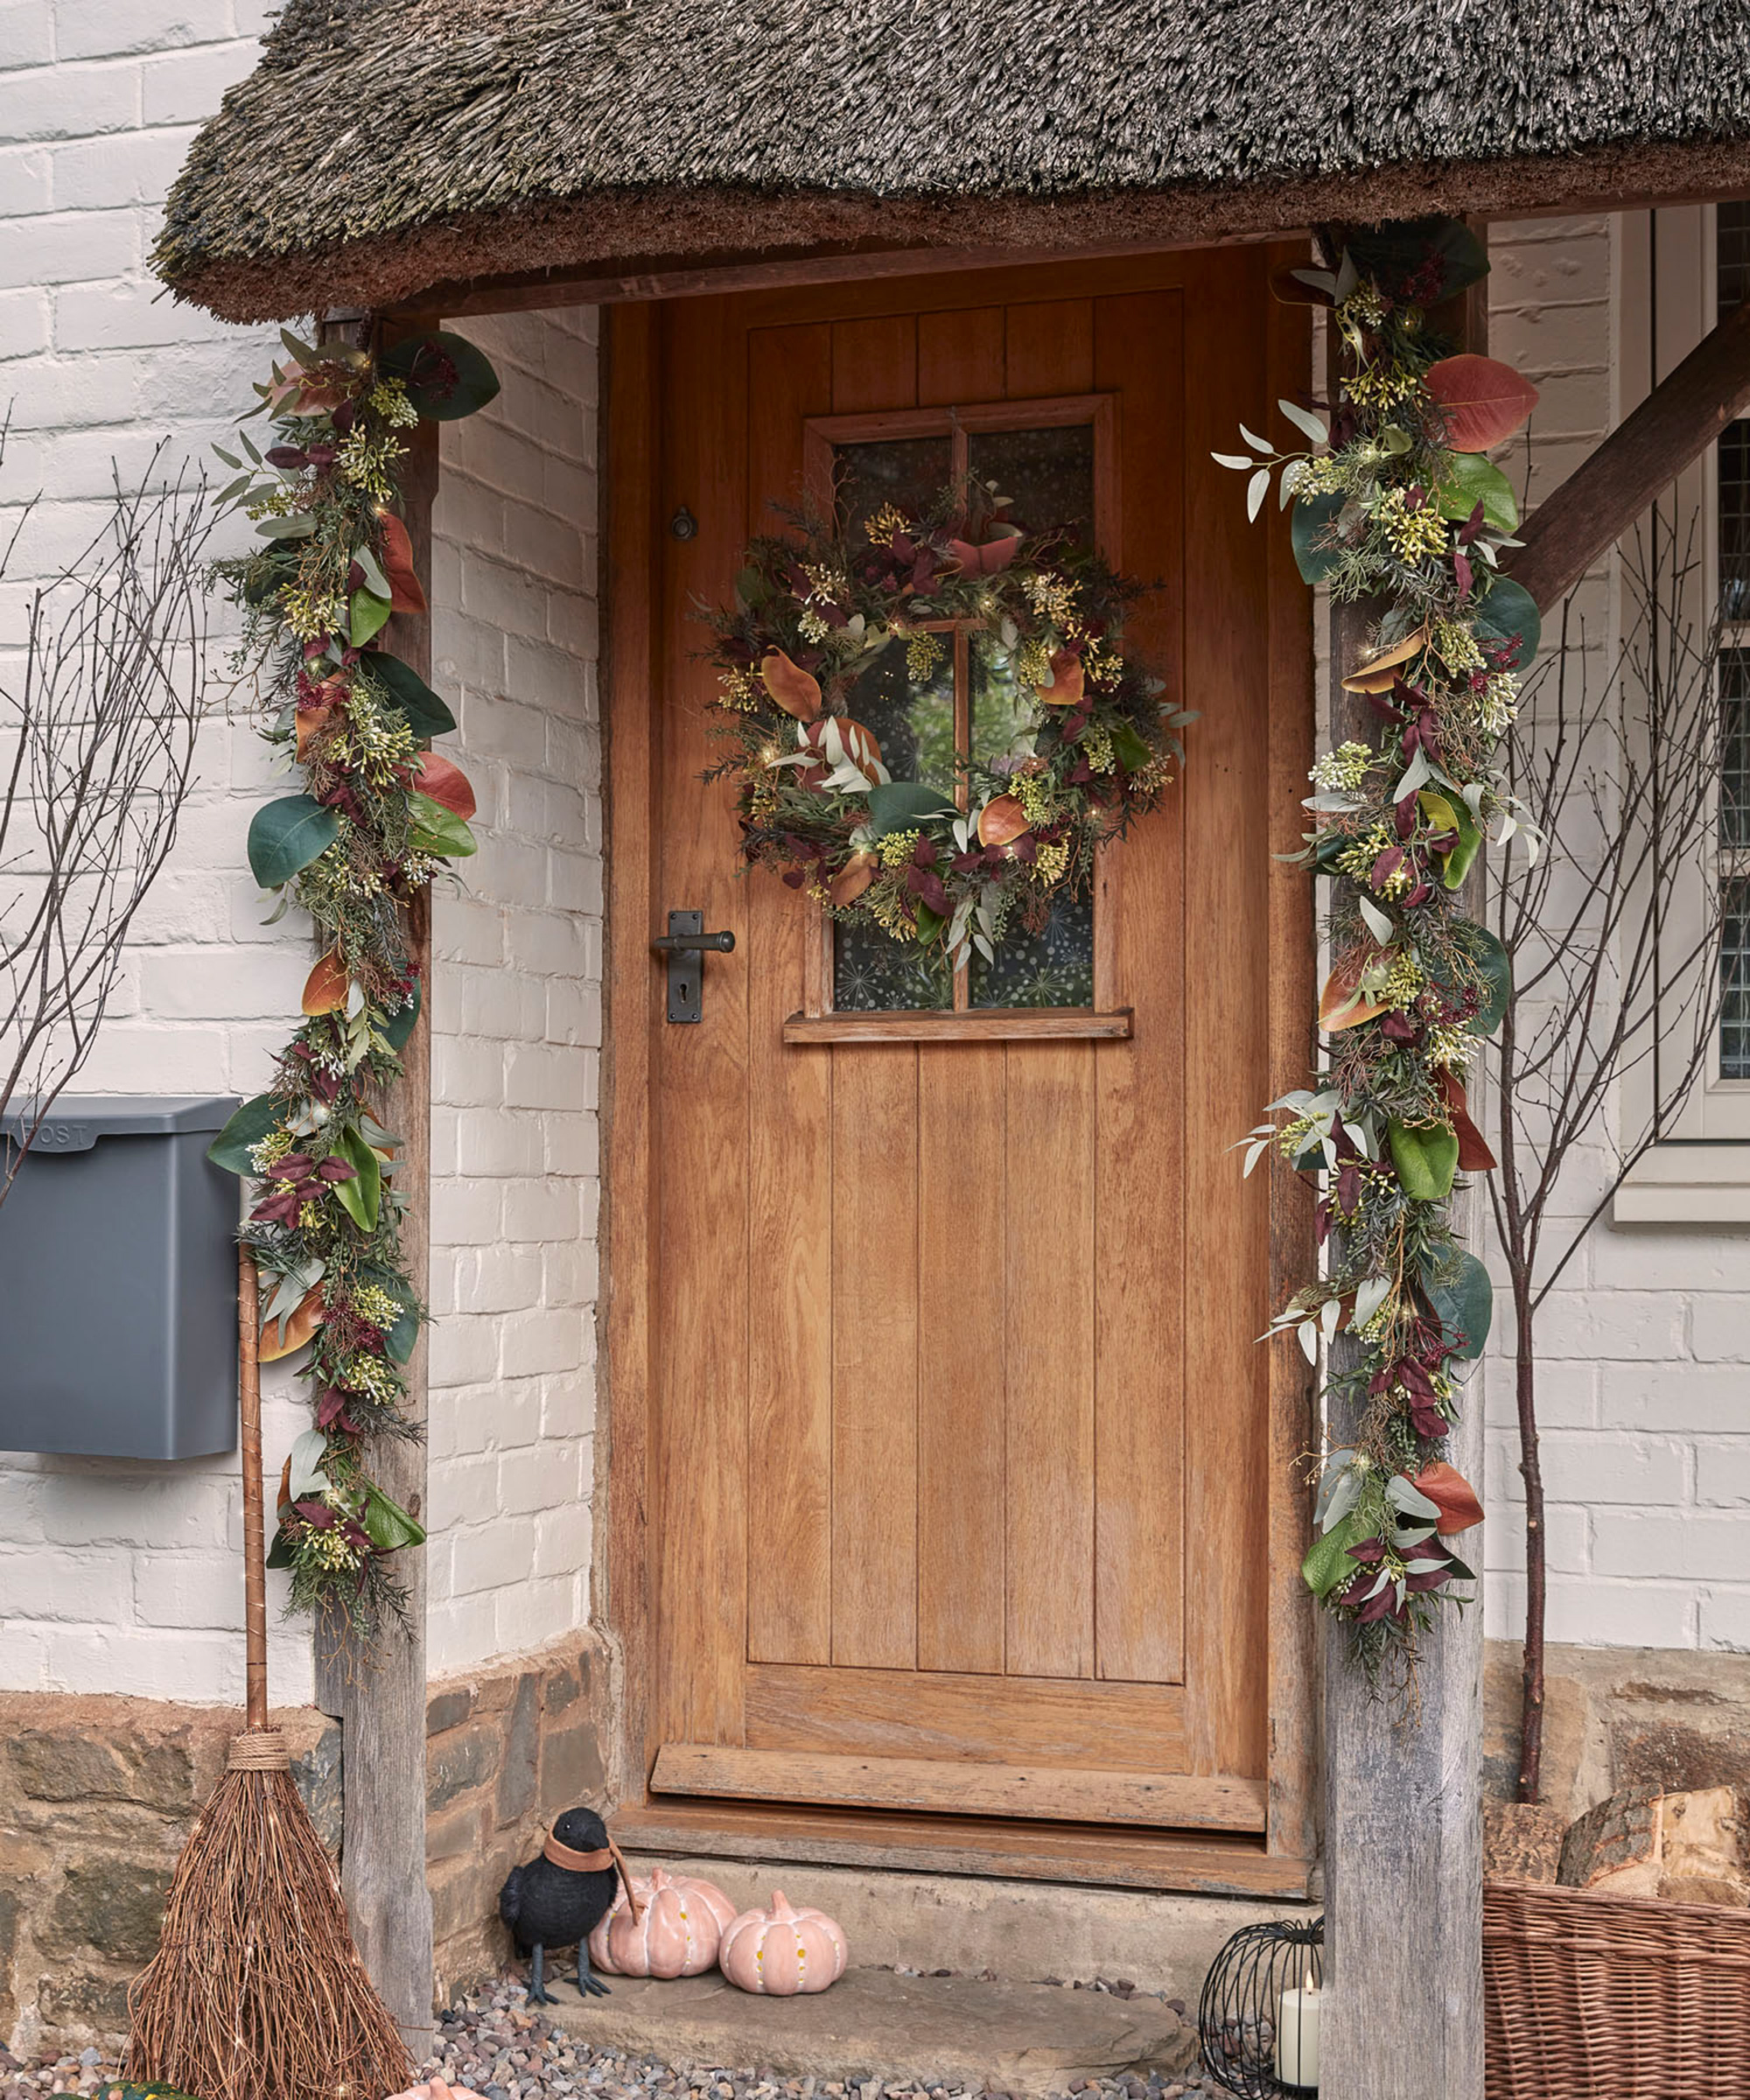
(1403, 1798)
(378, 1694)
(1684, 414)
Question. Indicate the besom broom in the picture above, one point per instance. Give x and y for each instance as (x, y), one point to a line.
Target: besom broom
(256, 1991)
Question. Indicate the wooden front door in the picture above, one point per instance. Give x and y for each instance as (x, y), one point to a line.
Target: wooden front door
(956, 1477)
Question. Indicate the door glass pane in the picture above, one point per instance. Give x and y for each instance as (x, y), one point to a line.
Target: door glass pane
(905, 471)
(1734, 965)
(1049, 474)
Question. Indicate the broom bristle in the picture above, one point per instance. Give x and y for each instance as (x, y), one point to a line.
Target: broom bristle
(256, 1991)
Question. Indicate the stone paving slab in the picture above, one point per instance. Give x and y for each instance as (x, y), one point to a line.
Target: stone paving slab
(1026, 2038)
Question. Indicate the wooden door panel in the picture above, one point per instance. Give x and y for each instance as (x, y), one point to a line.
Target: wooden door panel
(955, 1371)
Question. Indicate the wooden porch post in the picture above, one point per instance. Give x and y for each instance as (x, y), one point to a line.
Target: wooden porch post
(378, 1695)
(1403, 1801)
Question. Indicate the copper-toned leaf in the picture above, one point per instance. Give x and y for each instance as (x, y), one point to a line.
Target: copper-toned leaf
(1475, 1156)
(1001, 822)
(1451, 1494)
(995, 553)
(404, 592)
(311, 720)
(283, 1337)
(1485, 401)
(326, 987)
(445, 783)
(793, 689)
(1379, 673)
(1065, 690)
(1338, 1006)
(840, 741)
(853, 880)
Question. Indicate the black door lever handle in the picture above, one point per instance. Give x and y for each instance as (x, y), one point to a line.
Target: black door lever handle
(684, 944)
(679, 944)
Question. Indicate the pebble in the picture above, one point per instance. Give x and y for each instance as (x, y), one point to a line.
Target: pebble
(493, 2043)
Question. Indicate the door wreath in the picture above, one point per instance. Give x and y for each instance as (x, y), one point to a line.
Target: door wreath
(815, 609)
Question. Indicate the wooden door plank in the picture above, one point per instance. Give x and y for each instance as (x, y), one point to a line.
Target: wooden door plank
(875, 1358)
(790, 1157)
(962, 1787)
(700, 1542)
(1035, 1720)
(1050, 348)
(875, 363)
(1139, 1290)
(960, 355)
(1225, 795)
(962, 1196)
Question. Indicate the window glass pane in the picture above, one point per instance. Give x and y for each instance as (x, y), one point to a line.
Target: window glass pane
(1054, 967)
(1049, 474)
(1734, 523)
(905, 471)
(1735, 747)
(1734, 965)
(1733, 280)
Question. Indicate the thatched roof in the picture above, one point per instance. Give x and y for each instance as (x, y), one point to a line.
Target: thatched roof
(383, 146)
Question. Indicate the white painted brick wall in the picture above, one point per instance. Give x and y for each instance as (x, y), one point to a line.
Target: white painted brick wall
(123, 1577)
(1644, 1378)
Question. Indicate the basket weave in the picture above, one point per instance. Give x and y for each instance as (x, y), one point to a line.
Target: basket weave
(1611, 1997)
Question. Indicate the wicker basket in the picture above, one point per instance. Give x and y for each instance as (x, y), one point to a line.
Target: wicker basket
(1609, 1998)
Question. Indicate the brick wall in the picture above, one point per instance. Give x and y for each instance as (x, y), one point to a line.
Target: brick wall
(1644, 1376)
(122, 1577)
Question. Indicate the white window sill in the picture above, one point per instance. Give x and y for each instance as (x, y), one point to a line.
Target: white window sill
(1687, 1185)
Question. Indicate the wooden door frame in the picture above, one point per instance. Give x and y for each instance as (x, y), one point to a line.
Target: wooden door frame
(632, 549)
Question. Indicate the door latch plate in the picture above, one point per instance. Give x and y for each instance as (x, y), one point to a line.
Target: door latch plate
(686, 970)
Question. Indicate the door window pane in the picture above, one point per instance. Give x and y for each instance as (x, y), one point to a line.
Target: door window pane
(1049, 474)
(1735, 967)
(905, 471)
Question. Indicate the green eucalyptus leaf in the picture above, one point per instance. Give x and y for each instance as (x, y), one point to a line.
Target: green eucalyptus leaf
(432, 828)
(1129, 746)
(298, 526)
(1458, 860)
(387, 1524)
(398, 1029)
(376, 581)
(402, 687)
(1327, 1563)
(445, 377)
(286, 835)
(279, 1555)
(361, 1197)
(1309, 524)
(366, 616)
(230, 1149)
(1458, 1288)
(399, 1339)
(1425, 1157)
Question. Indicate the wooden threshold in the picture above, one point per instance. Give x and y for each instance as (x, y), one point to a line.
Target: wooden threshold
(962, 1786)
(987, 1025)
(1193, 1864)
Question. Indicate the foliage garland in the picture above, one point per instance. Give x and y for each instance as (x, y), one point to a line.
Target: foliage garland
(378, 816)
(815, 609)
(1395, 502)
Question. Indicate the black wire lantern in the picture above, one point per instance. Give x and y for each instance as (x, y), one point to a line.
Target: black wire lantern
(1259, 2013)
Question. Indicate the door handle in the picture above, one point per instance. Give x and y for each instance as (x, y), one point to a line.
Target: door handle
(685, 944)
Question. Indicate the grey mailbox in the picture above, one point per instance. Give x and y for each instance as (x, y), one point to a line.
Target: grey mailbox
(118, 1282)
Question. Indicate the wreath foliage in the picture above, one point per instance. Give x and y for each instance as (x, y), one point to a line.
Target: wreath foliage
(376, 816)
(1396, 503)
(814, 611)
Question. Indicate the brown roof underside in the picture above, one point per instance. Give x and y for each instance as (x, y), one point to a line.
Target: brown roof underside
(626, 236)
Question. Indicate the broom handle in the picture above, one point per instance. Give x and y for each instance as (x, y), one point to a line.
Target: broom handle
(250, 1411)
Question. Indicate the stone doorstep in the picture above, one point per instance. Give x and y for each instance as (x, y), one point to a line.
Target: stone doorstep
(1026, 2038)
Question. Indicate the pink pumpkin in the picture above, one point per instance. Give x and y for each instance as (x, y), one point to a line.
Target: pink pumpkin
(781, 1952)
(679, 1923)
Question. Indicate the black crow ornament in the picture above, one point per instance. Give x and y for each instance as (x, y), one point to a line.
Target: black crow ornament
(559, 1899)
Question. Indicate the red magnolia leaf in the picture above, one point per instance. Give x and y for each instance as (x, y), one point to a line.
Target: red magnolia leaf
(445, 783)
(1446, 1487)
(1336, 1010)
(326, 989)
(1485, 401)
(992, 556)
(1065, 690)
(795, 691)
(404, 593)
(1475, 1156)
(280, 1338)
(1001, 821)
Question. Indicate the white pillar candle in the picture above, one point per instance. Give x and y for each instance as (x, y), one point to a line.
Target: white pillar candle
(1296, 2038)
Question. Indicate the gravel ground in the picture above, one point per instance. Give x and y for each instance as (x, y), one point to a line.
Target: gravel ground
(494, 2044)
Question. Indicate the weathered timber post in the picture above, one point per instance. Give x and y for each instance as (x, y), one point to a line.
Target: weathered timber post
(378, 1692)
(1404, 1799)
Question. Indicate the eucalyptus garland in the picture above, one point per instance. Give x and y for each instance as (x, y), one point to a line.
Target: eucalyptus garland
(1395, 504)
(955, 865)
(377, 816)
